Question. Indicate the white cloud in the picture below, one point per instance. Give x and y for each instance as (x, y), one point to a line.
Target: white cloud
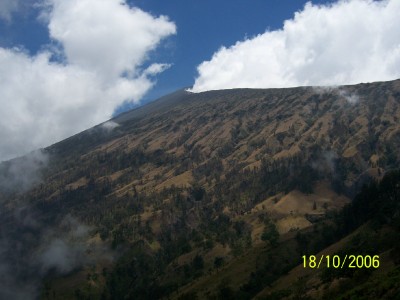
(109, 126)
(7, 8)
(64, 252)
(105, 44)
(61, 256)
(343, 43)
(106, 36)
(350, 97)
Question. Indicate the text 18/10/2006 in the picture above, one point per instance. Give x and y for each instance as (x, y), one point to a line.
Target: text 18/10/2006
(336, 261)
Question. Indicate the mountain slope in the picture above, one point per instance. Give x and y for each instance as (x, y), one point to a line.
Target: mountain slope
(271, 124)
(195, 184)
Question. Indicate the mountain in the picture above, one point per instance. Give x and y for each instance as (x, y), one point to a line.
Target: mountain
(214, 195)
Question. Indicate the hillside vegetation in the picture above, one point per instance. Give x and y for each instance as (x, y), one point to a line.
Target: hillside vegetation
(215, 195)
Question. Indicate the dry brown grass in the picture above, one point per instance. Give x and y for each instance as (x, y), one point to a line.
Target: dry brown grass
(181, 180)
(77, 184)
(291, 223)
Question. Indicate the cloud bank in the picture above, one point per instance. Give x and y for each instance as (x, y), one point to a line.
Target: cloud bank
(95, 63)
(347, 42)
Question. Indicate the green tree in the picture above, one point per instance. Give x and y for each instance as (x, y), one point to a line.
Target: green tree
(270, 234)
(198, 262)
(218, 262)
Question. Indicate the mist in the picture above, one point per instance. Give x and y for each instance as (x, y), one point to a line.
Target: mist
(33, 247)
(22, 173)
(30, 251)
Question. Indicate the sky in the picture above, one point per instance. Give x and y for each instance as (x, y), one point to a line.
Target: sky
(67, 65)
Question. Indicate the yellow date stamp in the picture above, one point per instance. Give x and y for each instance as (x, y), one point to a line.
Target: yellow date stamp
(340, 262)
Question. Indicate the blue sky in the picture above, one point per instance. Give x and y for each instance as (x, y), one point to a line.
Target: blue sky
(205, 26)
(67, 65)
(202, 28)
